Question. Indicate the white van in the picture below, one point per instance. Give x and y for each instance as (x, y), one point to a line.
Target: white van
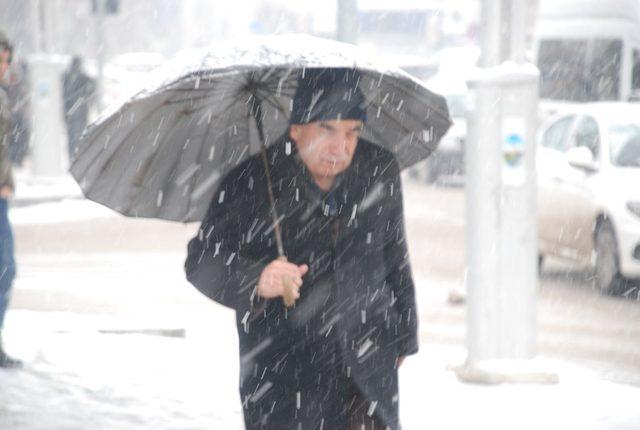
(588, 50)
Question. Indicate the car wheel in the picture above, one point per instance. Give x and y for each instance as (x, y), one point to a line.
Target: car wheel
(607, 270)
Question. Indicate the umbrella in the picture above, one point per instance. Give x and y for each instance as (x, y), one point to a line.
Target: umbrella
(162, 152)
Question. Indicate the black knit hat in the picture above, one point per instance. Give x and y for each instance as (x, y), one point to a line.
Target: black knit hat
(327, 94)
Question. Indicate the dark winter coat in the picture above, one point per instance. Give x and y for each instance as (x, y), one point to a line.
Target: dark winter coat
(356, 314)
(78, 89)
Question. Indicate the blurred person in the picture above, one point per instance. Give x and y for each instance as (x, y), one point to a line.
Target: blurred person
(18, 90)
(78, 91)
(331, 361)
(7, 262)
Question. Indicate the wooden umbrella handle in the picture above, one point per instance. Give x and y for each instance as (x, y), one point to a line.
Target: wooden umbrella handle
(288, 296)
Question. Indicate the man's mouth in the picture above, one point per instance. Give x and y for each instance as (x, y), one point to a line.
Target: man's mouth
(335, 160)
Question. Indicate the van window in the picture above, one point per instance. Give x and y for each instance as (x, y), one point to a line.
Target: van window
(562, 65)
(580, 70)
(606, 57)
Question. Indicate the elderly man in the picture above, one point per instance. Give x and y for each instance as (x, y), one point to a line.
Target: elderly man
(330, 361)
(7, 264)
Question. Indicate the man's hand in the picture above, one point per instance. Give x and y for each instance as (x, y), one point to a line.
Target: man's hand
(276, 274)
(5, 192)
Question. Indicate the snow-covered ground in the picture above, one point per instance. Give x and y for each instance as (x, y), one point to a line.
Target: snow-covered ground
(84, 376)
(82, 372)
(33, 189)
(67, 210)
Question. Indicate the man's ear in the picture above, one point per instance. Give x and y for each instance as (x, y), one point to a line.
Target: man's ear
(294, 131)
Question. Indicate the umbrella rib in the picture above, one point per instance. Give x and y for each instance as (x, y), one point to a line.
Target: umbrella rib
(176, 162)
(205, 137)
(274, 83)
(196, 74)
(424, 100)
(219, 85)
(273, 102)
(221, 113)
(104, 126)
(139, 124)
(153, 157)
(191, 99)
(396, 121)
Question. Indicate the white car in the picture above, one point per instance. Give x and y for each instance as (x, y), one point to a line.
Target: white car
(588, 165)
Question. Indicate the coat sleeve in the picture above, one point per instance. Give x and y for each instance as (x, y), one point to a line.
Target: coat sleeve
(216, 264)
(399, 275)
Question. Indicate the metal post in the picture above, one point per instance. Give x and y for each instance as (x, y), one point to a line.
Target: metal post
(45, 41)
(47, 139)
(501, 212)
(347, 21)
(519, 30)
(483, 229)
(100, 55)
(491, 33)
(35, 25)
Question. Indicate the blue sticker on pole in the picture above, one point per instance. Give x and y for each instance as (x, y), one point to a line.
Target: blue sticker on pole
(513, 151)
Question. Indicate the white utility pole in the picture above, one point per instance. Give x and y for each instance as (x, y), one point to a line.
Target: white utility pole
(100, 54)
(45, 73)
(501, 206)
(347, 21)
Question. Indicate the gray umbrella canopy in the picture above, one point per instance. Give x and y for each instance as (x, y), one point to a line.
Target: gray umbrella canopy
(162, 153)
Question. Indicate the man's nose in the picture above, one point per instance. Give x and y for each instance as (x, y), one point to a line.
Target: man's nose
(338, 145)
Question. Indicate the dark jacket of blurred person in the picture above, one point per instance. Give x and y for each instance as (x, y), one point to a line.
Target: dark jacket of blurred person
(78, 91)
(7, 186)
(18, 91)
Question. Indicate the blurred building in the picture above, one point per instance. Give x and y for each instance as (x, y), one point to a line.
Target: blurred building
(68, 26)
(164, 26)
(417, 27)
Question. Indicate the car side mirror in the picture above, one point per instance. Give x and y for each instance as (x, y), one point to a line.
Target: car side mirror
(581, 157)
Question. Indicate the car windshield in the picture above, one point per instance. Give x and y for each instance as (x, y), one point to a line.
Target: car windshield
(625, 145)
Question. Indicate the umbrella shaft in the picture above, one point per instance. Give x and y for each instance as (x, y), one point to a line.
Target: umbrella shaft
(257, 113)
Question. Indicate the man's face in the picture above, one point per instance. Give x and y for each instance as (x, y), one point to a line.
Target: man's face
(4, 63)
(327, 147)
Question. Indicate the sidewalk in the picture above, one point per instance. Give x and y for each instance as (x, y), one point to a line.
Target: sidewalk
(80, 374)
(42, 189)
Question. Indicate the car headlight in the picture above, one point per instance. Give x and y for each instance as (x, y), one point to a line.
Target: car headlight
(634, 207)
